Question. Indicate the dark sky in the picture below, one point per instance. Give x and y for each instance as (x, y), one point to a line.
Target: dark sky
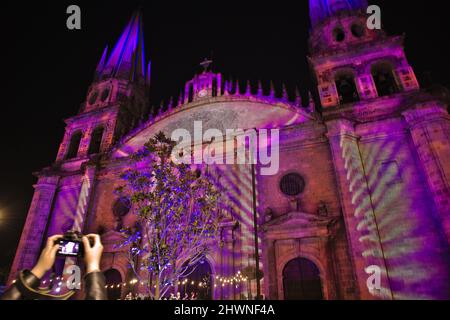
(49, 68)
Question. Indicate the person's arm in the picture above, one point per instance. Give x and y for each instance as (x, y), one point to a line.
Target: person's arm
(94, 279)
(33, 278)
(13, 292)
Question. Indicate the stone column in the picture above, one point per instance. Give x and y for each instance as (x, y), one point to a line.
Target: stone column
(87, 186)
(359, 216)
(430, 132)
(38, 215)
(64, 145)
(84, 199)
(84, 143)
(270, 270)
(228, 268)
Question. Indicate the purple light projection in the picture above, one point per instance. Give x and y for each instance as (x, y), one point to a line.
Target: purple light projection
(390, 215)
(322, 9)
(129, 53)
(400, 237)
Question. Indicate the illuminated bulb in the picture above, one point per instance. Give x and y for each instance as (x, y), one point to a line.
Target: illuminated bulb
(192, 283)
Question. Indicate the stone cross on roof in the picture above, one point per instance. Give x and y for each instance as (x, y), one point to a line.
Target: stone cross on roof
(206, 64)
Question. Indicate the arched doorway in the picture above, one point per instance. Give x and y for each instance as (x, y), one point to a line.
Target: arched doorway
(301, 280)
(113, 284)
(199, 282)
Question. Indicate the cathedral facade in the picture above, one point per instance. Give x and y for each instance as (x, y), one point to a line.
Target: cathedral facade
(363, 186)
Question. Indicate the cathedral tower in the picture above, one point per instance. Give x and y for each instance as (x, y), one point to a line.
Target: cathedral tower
(387, 139)
(116, 100)
(351, 62)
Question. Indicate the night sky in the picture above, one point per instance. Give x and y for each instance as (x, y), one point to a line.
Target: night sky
(48, 68)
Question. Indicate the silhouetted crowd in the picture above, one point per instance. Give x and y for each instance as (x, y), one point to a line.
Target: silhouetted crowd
(177, 296)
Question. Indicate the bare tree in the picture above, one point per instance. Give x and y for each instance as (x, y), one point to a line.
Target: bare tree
(177, 216)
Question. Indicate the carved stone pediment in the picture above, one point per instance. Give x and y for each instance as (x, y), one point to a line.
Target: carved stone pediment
(300, 225)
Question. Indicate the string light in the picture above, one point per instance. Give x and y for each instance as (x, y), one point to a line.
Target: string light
(224, 281)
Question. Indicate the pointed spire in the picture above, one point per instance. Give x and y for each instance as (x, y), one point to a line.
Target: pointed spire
(248, 89)
(312, 104)
(149, 73)
(321, 9)
(226, 90)
(180, 98)
(272, 89)
(101, 64)
(150, 114)
(237, 89)
(298, 97)
(230, 86)
(260, 89)
(170, 106)
(153, 112)
(127, 60)
(285, 93)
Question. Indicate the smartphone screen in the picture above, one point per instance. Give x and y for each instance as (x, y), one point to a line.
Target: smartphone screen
(68, 248)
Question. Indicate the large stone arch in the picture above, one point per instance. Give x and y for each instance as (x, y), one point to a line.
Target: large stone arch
(297, 235)
(110, 274)
(114, 258)
(222, 113)
(284, 261)
(213, 267)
